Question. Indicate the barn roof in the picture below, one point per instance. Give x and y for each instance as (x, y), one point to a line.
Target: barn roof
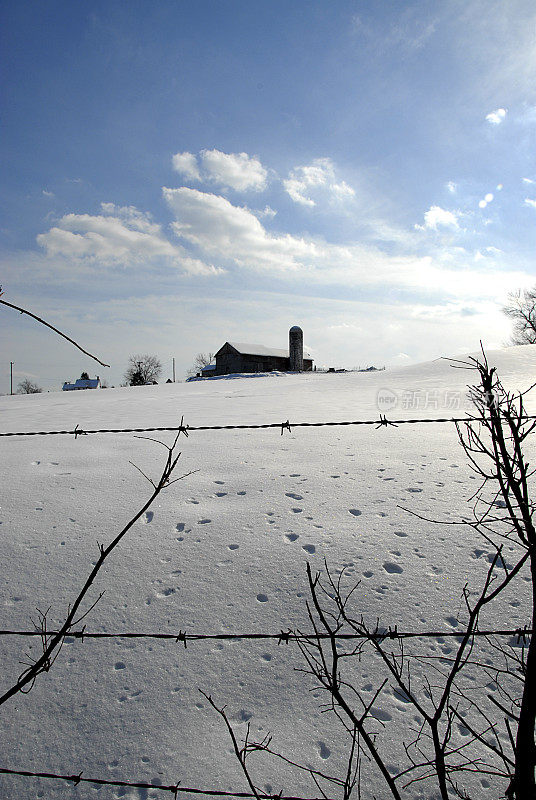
(261, 350)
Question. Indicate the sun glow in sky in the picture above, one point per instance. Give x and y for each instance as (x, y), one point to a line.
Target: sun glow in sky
(179, 174)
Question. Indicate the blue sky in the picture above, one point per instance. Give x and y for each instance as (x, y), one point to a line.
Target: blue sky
(178, 174)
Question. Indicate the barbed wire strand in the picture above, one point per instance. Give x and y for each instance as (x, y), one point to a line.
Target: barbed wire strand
(391, 632)
(175, 788)
(382, 422)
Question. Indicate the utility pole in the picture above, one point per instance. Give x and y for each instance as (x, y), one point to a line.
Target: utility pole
(11, 376)
(173, 369)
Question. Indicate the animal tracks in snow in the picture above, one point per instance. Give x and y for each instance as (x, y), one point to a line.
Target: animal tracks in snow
(392, 568)
(323, 750)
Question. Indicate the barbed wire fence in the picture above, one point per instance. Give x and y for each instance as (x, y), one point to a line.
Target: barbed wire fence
(174, 789)
(522, 635)
(382, 422)
(283, 637)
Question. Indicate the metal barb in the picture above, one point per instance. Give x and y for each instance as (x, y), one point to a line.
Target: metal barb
(182, 428)
(384, 422)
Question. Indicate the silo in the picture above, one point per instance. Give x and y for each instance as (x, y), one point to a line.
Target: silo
(295, 349)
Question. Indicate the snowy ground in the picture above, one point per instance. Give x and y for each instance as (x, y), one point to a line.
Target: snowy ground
(225, 550)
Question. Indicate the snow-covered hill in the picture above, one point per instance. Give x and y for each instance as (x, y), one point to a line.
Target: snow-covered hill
(224, 550)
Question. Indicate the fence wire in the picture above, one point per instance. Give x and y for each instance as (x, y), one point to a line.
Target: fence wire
(283, 637)
(382, 422)
(174, 788)
(522, 634)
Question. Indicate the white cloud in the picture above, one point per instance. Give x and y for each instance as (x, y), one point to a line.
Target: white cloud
(265, 213)
(320, 174)
(48, 194)
(121, 236)
(186, 164)
(217, 226)
(487, 199)
(437, 217)
(528, 180)
(237, 171)
(132, 217)
(529, 202)
(452, 187)
(342, 190)
(497, 116)
(234, 235)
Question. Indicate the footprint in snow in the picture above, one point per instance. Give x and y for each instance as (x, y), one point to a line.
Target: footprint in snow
(180, 526)
(323, 750)
(355, 511)
(293, 495)
(262, 598)
(242, 716)
(296, 510)
(401, 695)
(309, 548)
(291, 536)
(148, 516)
(203, 521)
(379, 713)
(390, 567)
(413, 490)
(221, 494)
(165, 592)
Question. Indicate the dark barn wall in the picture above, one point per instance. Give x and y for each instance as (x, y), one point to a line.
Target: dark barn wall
(229, 361)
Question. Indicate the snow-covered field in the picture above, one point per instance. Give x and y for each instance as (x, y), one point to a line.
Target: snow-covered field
(225, 550)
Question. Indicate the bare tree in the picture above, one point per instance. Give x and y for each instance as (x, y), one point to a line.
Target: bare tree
(521, 309)
(464, 726)
(201, 360)
(28, 387)
(142, 370)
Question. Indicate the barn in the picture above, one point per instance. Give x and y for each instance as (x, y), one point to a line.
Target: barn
(235, 357)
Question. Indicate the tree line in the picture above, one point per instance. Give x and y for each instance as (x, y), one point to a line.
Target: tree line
(147, 369)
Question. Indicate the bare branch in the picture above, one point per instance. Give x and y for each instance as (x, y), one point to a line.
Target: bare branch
(48, 325)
